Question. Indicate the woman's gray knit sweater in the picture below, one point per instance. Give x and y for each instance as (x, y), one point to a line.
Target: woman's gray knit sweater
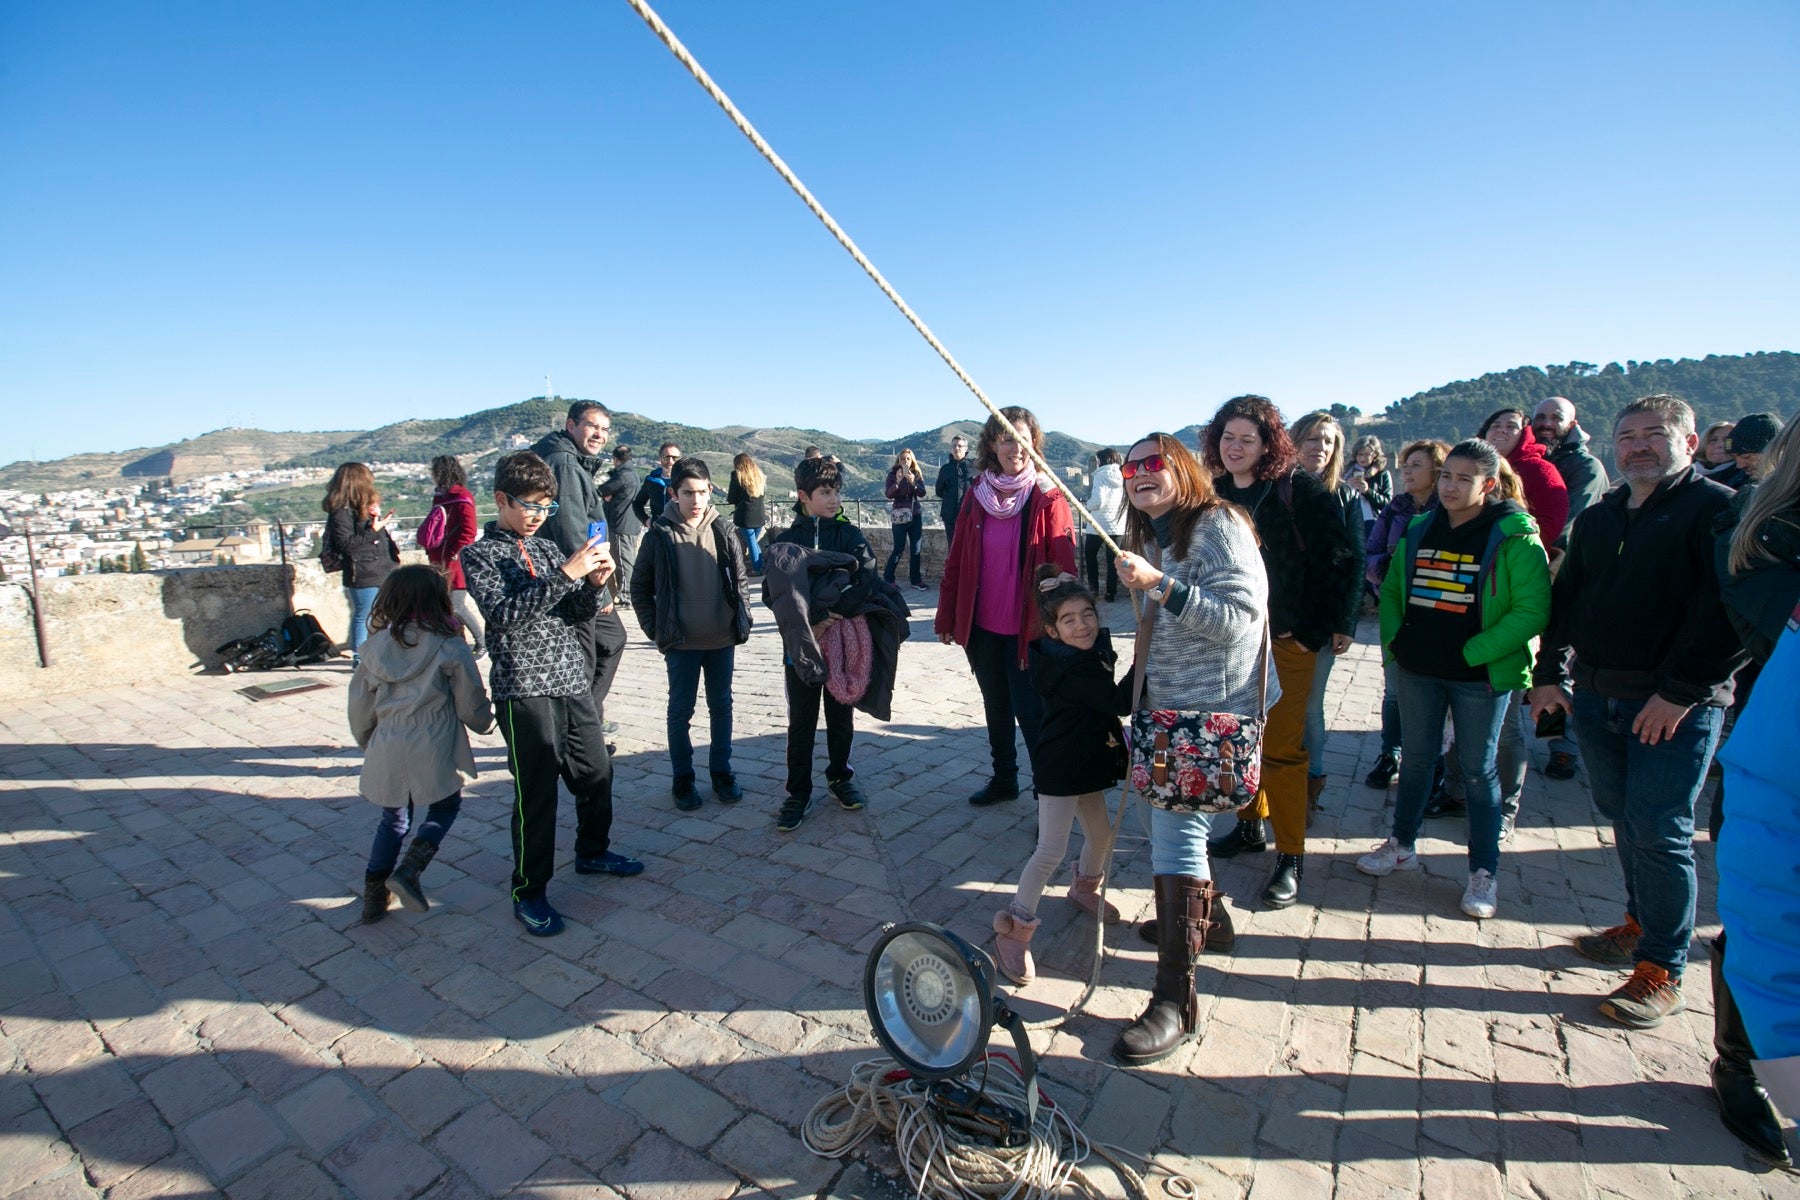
(1206, 656)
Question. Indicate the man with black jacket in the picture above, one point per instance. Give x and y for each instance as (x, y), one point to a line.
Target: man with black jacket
(617, 493)
(1637, 601)
(573, 455)
(954, 480)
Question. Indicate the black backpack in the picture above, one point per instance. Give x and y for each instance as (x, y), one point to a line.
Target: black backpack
(304, 640)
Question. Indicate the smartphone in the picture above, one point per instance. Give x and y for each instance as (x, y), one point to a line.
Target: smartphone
(597, 535)
(1554, 723)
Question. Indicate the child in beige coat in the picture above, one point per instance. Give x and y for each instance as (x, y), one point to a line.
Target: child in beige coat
(413, 693)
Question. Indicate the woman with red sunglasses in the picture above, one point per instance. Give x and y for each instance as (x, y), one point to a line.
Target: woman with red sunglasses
(1312, 564)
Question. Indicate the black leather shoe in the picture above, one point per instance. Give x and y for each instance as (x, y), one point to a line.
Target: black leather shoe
(687, 796)
(726, 788)
(1246, 837)
(1745, 1110)
(1000, 787)
(1284, 884)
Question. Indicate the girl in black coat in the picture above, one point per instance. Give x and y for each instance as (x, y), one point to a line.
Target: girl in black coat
(1079, 754)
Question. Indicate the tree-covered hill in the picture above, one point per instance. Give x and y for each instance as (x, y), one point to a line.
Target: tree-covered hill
(1721, 387)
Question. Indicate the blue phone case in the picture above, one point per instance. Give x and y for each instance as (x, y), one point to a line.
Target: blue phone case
(597, 531)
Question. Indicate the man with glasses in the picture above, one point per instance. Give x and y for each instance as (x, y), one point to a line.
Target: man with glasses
(574, 455)
(1637, 601)
(653, 497)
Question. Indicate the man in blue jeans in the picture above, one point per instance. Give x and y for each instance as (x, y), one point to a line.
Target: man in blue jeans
(1637, 601)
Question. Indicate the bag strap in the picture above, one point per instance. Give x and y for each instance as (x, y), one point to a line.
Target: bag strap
(1141, 648)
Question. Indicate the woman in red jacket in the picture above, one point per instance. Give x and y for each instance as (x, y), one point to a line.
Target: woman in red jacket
(1546, 495)
(460, 529)
(1013, 520)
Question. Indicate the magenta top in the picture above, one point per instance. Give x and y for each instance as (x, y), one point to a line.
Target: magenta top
(997, 599)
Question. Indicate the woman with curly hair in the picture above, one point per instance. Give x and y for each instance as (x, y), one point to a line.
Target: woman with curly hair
(1311, 562)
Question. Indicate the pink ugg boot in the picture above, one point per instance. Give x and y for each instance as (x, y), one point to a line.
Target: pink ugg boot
(1012, 945)
(1084, 894)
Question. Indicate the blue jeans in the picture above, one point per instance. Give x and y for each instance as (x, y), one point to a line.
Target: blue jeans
(391, 827)
(913, 531)
(685, 669)
(1648, 794)
(1475, 711)
(1178, 843)
(361, 601)
(753, 547)
(1390, 710)
(1511, 760)
(1315, 713)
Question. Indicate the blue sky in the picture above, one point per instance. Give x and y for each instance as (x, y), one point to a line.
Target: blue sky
(334, 215)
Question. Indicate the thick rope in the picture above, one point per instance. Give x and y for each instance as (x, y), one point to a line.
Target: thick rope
(686, 59)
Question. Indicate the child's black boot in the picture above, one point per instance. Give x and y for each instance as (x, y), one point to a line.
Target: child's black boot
(404, 882)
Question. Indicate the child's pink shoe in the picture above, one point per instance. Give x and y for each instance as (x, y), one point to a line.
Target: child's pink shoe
(1084, 893)
(1012, 945)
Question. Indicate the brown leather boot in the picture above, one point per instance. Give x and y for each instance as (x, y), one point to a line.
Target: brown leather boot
(1221, 935)
(1184, 907)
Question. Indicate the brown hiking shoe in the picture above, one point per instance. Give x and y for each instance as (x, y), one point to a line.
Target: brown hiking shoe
(1615, 947)
(1645, 999)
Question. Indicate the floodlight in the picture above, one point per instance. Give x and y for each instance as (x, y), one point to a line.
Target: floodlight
(931, 1002)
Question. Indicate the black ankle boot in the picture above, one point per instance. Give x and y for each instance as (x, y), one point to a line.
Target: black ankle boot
(1284, 884)
(1184, 911)
(404, 882)
(1000, 787)
(1743, 1104)
(375, 897)
(1246, 837)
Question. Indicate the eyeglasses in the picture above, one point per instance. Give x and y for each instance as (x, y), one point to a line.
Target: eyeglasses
(536, 510)
(1150, 462)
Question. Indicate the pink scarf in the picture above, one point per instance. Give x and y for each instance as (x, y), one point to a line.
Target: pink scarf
(1005, 496)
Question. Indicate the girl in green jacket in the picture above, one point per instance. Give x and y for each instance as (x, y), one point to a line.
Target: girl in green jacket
(1465, 596)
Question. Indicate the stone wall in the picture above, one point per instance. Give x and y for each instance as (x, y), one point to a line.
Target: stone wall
(104, 630)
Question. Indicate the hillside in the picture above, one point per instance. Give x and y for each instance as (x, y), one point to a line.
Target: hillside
(209, 454)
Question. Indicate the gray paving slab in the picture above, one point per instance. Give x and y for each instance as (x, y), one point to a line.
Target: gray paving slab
(188, 1006)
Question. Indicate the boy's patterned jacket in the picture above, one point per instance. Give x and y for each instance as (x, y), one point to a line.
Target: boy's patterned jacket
(531, 609)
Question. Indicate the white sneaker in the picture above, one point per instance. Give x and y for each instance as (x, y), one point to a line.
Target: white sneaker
(1479, 898)
(1387, 858)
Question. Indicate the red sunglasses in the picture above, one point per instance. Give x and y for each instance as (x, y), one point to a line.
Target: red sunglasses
(1150, 462)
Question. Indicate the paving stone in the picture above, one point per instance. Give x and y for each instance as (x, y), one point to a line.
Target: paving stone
(492, 1148)
(580, 1125)
(324, 1112)
(686, 1110)
(120, 1140)
(657, 1168)
(773, 1159)
(76, 1095)
(428, 1096)
(384, 1162)
(229, 1139)
(287, 1176)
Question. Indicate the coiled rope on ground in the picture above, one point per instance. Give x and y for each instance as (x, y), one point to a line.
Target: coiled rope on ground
(944, 1162)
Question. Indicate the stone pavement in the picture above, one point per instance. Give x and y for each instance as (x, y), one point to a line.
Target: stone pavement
(189, 1008)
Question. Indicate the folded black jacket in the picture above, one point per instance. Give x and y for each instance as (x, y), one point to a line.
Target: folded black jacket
(1314, 564)
(803, 586)
(1637, 600)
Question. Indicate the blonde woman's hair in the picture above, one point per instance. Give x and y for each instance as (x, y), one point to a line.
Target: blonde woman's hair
(1309, 425)
(908, 460)
(1778, 492)
(1511, 486)
(749, 476)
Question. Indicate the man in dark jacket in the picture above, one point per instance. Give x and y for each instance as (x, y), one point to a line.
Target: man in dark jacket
(954, 480)
(653, 494)
(1637, 600)
(1565, 443)
(617, 492)
(573, 455)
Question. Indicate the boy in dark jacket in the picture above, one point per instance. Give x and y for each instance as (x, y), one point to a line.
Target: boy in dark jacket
(690, 590)
(819, 526)
(535, 601)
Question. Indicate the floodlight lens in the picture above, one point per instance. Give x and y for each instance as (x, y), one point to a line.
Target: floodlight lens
(927, 1000)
